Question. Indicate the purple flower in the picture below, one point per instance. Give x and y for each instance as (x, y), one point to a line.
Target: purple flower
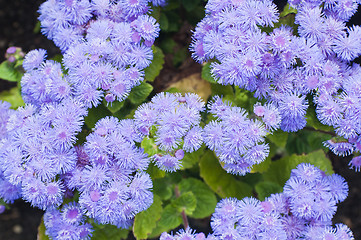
(348, 47)
(34, 59)
(355, 163)
(147, 27)
(167, 162)
(236, 140)
(170, 119)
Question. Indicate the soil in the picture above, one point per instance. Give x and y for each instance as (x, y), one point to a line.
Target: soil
(17, 21)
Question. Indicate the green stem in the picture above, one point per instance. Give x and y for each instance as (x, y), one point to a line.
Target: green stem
(321, 131)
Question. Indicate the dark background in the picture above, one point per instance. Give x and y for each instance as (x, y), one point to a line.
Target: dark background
(18, 19)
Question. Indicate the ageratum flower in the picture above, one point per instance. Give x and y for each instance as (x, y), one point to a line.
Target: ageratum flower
(38, 137)
(303, 211)
(109, 174)
(237, 141)
(67, 223)
(173, 121)
(106, 46)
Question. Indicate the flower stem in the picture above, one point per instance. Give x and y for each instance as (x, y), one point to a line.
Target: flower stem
(321, 131)
(183, 213)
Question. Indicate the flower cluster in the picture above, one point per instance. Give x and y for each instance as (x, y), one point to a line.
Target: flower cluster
(283, 68)
(303, 211)
(173, 121)
(66, 22)
(335, 81)
(44, 81)
(269, 114)
(110, 174)
(67, 223)
(106, 44)
(250, 58)
(186, 234)
(14, 53)
(36, 137)
(237, 141)
(8, 191)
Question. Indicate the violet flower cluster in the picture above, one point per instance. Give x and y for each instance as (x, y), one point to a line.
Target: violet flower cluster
(172, 120)
(67, 223)
(109, 174)
(106, 44)
(188, 234)
(36, 137)
(303, 211)
(237, 140)
(246, 50)
(91, 35)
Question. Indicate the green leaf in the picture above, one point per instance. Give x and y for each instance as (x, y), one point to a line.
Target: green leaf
(163, 22)
(41, 231)
(189, 5)
(114, 106)
(125, 112)
(279, 138)
(9, 73)
(172, 5)
(225, 91)
(263, 166)
(13, 96)
(37, 27)
(155, 172)
(145, 222)
(280, 170)
(288, 20)
(265, 189)
(140, 93)
(190, 159)
(149, 146)
(221, 182)
(95, 114)
(287, 10)
(306, 141)
(173, 17)
(155, 12)
(3, 203)
(186, 201)
(108, 232)
(163, 188)
(19, 63)
(206, 73)
(206, 199)
(168, 45)
(57, 58)
(170, 219)
(251, 178)
(153, 70)
(242, 98)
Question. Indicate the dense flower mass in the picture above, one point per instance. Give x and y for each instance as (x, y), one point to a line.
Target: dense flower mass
(303, 211)
(173, 121)
(67, 223)
(98, 169)
(246, 49)
(188, 234)
(237, 141)
(109, 174)
(36, 137)
(106, 45)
